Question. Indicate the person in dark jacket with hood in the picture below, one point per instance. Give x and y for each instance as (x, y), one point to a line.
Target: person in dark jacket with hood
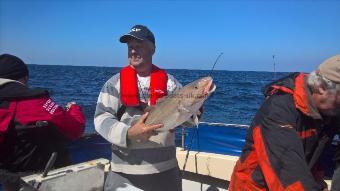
(287, 137)
(32, 125)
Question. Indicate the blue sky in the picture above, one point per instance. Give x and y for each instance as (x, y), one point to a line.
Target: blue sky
(189, 34)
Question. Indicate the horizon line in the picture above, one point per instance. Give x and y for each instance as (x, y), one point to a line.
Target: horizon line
(168, 68)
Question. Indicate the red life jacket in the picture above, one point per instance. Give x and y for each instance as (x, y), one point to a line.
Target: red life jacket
(129, 95)
(7, 111)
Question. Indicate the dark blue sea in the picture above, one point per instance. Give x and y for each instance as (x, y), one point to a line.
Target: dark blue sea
(236, 99)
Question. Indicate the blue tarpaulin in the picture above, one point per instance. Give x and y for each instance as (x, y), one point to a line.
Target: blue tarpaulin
(215, 139)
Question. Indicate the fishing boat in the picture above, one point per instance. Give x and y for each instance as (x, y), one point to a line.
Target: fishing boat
(206, 160)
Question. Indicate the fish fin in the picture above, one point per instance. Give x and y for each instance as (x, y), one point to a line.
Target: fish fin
(191, 122)
(181, 109)
(196, 120)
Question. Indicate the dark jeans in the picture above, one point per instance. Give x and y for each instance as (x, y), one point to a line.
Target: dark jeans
(169, 180)
(336, 179)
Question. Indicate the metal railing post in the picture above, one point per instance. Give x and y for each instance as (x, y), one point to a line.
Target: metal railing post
(183, 138)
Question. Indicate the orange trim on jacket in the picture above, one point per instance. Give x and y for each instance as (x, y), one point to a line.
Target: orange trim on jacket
(282, 88)
(270, 176)
(241, 179)
(307, 133)
(300, 95)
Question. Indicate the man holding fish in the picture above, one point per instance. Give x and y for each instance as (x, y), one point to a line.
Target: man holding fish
(138, 109)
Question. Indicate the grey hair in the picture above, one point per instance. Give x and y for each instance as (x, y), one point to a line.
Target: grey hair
(316, 81)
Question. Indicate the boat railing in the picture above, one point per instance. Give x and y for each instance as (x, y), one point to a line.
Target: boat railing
(226, 125)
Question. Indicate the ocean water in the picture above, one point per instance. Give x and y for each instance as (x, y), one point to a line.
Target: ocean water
(236, 99)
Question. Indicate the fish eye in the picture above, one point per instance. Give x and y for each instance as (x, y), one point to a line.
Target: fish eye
(196, 87)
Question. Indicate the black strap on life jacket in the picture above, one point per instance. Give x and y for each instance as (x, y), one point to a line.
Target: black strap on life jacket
(4, 104)
(19, 127)
(121, 111)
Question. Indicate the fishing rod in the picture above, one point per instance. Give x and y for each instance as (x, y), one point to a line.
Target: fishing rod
(193, 134)
(218, 57)
(274, 67)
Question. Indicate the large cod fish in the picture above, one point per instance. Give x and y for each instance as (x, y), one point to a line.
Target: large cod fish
(177, 108)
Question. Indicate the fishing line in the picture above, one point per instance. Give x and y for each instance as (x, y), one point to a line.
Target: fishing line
(218, 57)
(193, 133)
(189, 148)
(198, 149)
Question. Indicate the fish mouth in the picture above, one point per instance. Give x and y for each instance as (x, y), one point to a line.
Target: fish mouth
(210, 87)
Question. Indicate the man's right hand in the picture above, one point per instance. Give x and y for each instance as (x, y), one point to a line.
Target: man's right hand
(140, 131)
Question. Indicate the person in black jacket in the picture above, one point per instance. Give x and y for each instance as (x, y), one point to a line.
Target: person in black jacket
(290, 131)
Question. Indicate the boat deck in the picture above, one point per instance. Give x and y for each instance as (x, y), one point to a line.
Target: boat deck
(203, 172)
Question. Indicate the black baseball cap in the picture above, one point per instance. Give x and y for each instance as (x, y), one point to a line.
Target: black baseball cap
(12, 67)
(140, 32)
